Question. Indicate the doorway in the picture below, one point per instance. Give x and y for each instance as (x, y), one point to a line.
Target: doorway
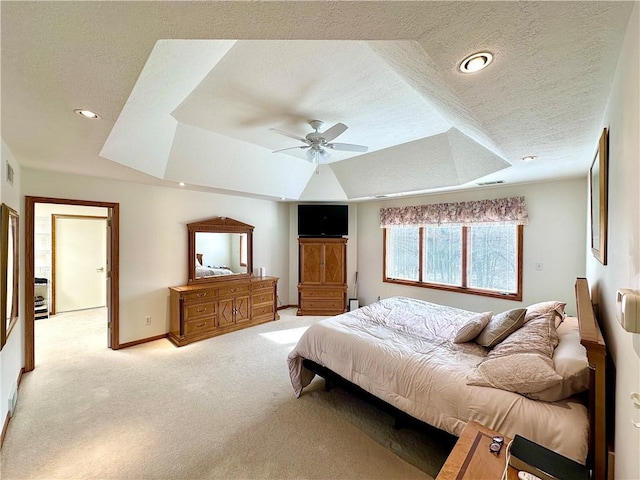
(111, 270)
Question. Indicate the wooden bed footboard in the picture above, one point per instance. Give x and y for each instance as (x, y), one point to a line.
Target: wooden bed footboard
(592, 340)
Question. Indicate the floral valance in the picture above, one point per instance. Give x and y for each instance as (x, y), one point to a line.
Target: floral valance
(512, 211)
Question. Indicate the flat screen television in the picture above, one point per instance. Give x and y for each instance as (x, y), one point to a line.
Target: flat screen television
(323, 220)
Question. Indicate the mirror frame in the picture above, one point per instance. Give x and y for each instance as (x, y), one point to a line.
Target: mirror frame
(218, 225)
(9, 223)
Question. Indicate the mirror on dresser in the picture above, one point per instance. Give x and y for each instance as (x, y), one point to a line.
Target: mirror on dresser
(220, 248)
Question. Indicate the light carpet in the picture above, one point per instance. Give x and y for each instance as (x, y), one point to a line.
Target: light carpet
(219, 408)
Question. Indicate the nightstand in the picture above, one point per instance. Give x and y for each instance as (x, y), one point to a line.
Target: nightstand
(471, 459)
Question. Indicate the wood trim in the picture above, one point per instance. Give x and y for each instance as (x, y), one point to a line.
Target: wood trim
(282, 307)
(4, 428)
(7, 417)
(29, 289)
(592, 340)
(143, 340)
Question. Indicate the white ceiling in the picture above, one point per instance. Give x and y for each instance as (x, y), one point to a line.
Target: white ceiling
(188, 91)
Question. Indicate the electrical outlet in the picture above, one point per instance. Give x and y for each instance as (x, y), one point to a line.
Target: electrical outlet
(148, 320)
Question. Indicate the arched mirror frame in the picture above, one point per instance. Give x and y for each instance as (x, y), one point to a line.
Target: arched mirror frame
(218, 225)
(9, 268)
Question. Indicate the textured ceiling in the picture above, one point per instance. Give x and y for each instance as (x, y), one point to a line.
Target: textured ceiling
(188, 91)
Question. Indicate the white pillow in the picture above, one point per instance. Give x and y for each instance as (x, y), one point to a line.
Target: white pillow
(472, 327)
(570, 362)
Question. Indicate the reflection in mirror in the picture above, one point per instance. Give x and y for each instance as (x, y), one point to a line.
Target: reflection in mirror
(8, 272)
(219, 247)
(220, 254)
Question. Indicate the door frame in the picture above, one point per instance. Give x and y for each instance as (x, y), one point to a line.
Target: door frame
(113, 271)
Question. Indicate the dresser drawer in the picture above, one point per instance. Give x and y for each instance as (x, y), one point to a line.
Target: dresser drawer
(324, 293)
(263, 297)
(262, 285)
(195, 327)
(259, 311)
(234, 290)
(199, 310)
(200, 295)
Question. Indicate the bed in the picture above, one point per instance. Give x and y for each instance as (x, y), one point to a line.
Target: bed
(403, 352)
(208, 271)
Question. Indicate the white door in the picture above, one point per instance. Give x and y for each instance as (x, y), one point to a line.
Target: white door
(80, 262)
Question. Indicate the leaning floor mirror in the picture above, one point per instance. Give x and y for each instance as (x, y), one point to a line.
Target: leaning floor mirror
(9, 256)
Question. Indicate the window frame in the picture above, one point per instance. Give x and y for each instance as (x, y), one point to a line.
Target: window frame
(517, 296)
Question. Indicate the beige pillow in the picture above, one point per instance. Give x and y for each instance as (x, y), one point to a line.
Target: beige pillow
(542, 308)
(501, 326)
(472, 327)
(537, 336)
(523, 373)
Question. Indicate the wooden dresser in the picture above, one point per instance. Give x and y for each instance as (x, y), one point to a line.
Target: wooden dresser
(205, 310)
(322, 287)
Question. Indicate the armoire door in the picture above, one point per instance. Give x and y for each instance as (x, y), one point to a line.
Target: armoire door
(311, 263)
(334, 268)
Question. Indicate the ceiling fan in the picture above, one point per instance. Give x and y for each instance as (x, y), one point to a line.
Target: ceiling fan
(318, 143)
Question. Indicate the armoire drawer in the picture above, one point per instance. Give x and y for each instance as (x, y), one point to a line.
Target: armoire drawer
(322, 293)
(318, 304)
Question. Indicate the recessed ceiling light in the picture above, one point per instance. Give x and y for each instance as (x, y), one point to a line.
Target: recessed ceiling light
(181, 184)
(528, 158)
(476, 62)
(86, 113)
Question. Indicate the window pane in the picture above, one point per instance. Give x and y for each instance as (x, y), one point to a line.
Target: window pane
(492, 257)
(443, 259)
(403, 252)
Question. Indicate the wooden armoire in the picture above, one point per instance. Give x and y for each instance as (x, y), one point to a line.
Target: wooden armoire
(322, 278)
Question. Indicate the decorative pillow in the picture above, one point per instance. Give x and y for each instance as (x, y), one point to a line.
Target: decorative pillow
(523, 373)
(542, 308)
(537, 336)
(501, 326)
(570, 362)
(472, 327)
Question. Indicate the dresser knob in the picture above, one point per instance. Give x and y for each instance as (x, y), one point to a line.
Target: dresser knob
(201, 324)
(201, 294)
(200, 310)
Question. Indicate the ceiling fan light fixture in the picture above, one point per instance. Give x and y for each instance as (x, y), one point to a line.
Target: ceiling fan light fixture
(84, 113)
(476, 62)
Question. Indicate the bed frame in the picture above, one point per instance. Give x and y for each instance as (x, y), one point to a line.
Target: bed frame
(590, 337)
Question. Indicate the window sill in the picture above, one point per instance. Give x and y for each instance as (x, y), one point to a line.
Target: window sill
(452, 288)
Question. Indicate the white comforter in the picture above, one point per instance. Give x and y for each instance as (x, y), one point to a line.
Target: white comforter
(401, 351)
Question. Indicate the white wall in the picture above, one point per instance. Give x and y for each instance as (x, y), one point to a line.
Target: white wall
(554, 237)
(623, 266)
(153, 238)
(12, 354)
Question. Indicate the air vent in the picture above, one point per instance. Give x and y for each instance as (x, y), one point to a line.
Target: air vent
(495, 182)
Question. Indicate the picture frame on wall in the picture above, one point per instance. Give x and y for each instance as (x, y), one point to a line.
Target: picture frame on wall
(598, 196)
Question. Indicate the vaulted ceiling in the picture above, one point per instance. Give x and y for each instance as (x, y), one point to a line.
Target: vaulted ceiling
(189, 92)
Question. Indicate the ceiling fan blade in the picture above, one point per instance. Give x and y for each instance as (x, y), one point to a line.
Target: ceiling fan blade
(290, 148)
(334, 131)
(290, 135)
(348, 147)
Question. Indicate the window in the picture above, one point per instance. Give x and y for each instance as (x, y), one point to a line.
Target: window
(484, 259)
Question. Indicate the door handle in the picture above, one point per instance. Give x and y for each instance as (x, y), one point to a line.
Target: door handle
(101, 269)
